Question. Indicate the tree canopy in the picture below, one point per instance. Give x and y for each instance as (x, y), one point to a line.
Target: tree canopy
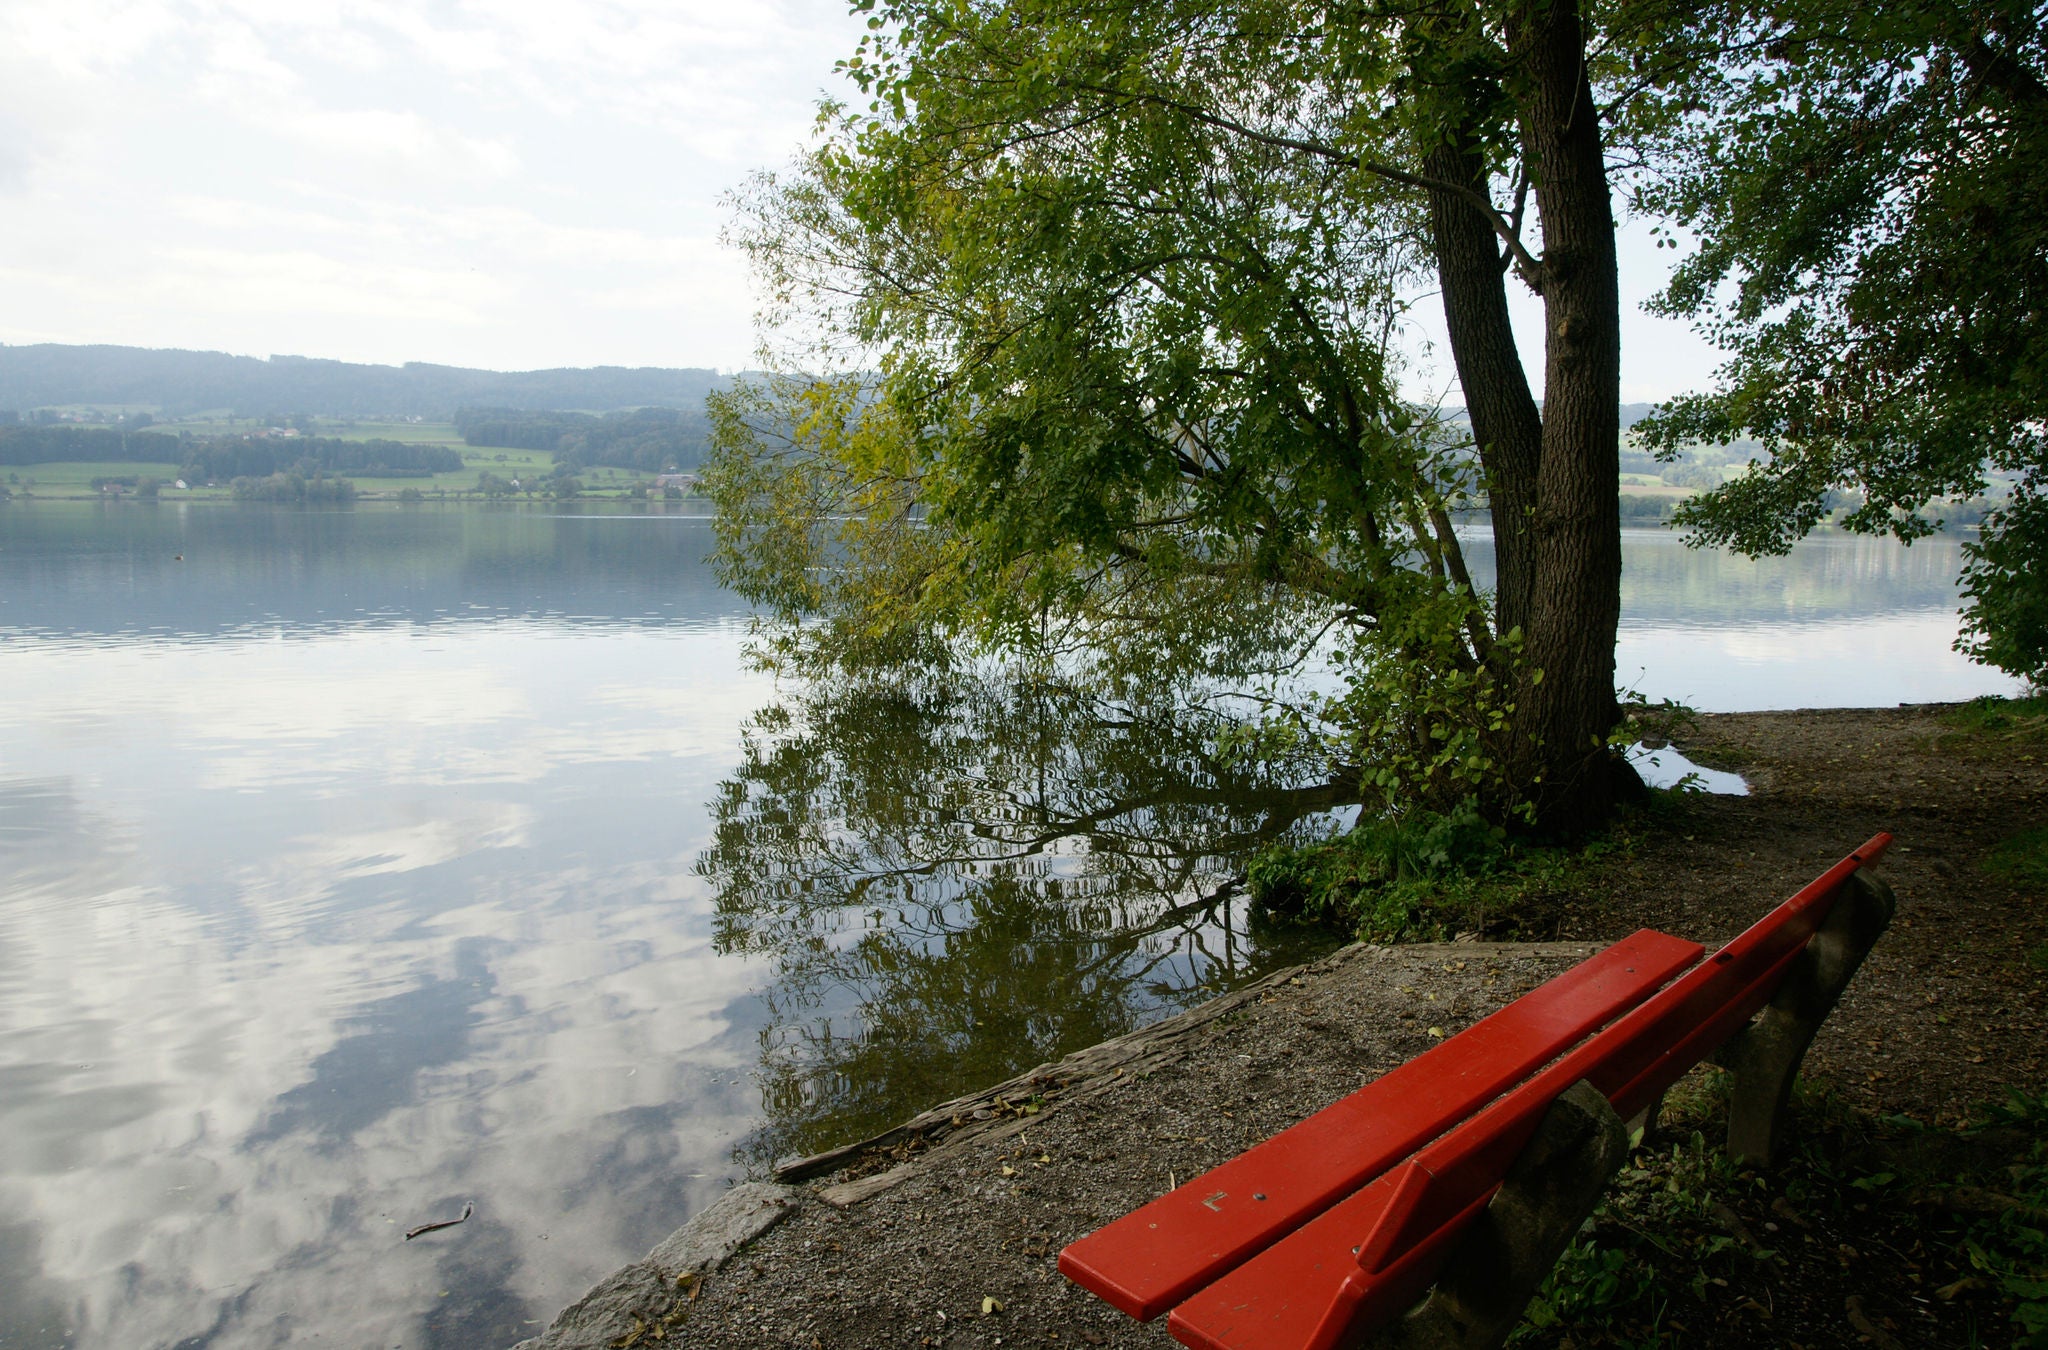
(220, 458)
(1868, 188)
(1128, 274)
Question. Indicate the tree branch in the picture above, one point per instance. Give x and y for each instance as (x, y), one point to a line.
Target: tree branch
(1527, 265)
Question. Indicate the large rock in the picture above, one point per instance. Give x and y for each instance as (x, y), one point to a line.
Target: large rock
(708, 1241)
(646, 1289)
(606, 1313)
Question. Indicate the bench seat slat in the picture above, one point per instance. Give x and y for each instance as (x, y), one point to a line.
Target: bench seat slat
(1379, 1249)
(1307, 1292)
(1633, 1061)
(1469, 1163)
(1761, 954)
(1155, 1256)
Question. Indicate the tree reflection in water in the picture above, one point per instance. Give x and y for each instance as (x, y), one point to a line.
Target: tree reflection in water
(960, 877)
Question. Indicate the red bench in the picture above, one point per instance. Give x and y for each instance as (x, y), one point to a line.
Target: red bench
(1333, 1228)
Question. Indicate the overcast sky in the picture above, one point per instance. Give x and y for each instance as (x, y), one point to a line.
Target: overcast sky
(512, 184)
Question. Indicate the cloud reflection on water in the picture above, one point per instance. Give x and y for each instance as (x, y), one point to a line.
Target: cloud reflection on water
(301, 982)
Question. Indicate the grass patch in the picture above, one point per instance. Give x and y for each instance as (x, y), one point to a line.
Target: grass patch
(506, 461)
(1995, 728)
(68, 480)
(2010, 718)
(75, 479)
(1939, 1235)
(411, 433)
(69, 477)
(528, 466)
(2021, 859)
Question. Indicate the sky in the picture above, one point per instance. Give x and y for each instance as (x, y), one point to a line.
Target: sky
(512, 185)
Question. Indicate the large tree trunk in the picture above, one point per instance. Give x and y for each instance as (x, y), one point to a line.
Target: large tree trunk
(1576, 607)
(1505, 424)
(1553, 477)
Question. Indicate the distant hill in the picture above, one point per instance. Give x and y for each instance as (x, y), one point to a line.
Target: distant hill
(177, 383)
(1631, 413)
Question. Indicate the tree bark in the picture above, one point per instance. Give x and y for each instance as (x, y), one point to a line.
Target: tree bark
(1505, 423)
(1565, 715)
(1553, 476)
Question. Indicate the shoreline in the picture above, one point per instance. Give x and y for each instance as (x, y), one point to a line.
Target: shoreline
(943, 1230)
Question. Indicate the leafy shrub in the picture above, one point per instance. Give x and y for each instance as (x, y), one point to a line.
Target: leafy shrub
(1387, 879)
(291, 487)
(2005, 619)
(1686, 1244)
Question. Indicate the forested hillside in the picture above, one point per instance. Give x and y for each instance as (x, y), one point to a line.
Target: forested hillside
(178, 383)
(79, 445)
(650, 440)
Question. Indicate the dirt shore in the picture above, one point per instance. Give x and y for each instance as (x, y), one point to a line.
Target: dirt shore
(953, 1244)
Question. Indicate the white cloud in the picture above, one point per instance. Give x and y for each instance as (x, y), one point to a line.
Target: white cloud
(382, 704)
(1660, 357)
(241, 67)
(404, 141)
(301, 282)
(502, 184)
(589, 1015)
(508, 183)
(409, 845)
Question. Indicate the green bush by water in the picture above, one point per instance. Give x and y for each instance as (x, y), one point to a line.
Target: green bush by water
(1425, 876)
(2001, 719)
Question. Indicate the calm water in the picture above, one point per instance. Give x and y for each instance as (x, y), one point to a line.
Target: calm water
(354, 866)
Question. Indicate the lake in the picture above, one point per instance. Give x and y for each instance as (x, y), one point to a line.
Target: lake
(355, 866)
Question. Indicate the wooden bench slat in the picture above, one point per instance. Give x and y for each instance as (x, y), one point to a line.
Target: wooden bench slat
(1307, 1291)
(1763, 962)
(1364, 1256)
(1157, 1255)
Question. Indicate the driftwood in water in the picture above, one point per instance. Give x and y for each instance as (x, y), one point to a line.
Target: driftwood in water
(467, 1210)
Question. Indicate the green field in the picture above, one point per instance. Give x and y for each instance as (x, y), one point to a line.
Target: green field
(74, 480)
(412, 433)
